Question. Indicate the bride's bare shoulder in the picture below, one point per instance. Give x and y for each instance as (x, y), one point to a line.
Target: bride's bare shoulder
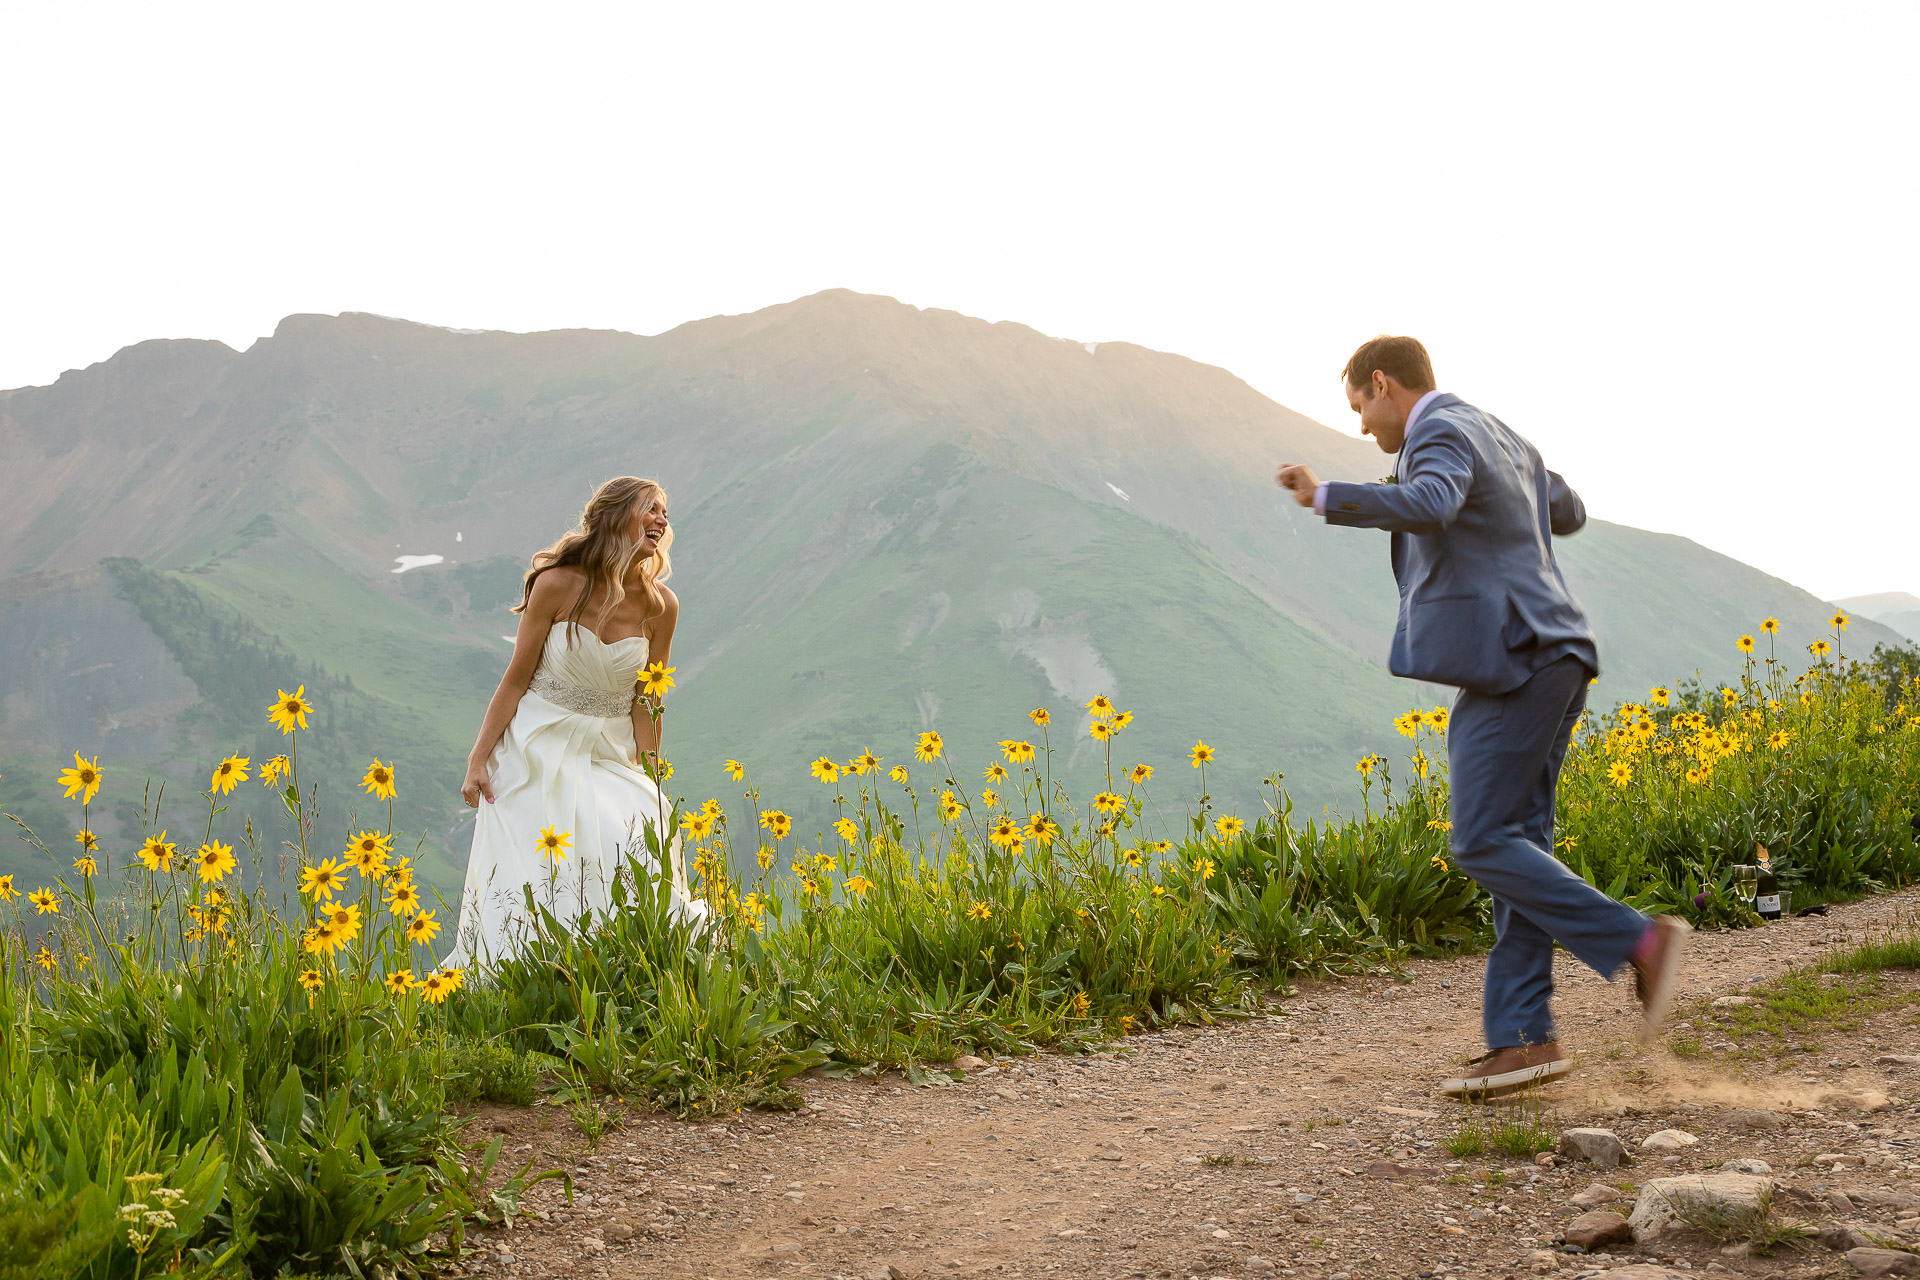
(555, 590)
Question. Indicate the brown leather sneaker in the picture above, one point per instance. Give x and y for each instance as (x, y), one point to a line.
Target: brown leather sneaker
(1658, 980)
(1519, 1066)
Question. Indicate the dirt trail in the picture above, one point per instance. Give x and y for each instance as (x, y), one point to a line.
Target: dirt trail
(1244, 1150)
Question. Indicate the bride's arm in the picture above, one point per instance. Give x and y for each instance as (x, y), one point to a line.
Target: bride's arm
(552, 591)
(646, 730)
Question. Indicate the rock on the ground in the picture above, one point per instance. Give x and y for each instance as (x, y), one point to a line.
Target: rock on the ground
(1387, 1169)
(1745, 1118)
(1667, 1203)
(1667, 1140)
(1881, 1262)
(1602, 1146)
(1648, 1271)
(1897, 1060)
(967, 1062)
(1596, 1195)
(1883, 1199)
(1597, 1227)
(1733, 1002)
(1840, 1237)
(1748, 1165)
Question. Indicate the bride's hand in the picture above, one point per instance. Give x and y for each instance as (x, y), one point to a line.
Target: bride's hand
(477, 784)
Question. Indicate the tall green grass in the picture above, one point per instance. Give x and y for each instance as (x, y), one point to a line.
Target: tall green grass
(195, 1078)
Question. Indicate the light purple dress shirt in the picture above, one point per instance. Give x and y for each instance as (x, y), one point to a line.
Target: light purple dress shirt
(1413, 416)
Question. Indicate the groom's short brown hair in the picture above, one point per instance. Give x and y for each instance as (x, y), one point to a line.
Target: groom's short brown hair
(1402, 359)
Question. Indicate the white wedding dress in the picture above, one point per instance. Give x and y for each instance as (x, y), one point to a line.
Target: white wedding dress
(566, 762)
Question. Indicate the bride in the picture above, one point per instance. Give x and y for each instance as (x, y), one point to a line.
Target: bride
(561, 747)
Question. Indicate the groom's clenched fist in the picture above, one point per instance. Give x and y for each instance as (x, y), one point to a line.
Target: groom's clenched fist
(1298, 477)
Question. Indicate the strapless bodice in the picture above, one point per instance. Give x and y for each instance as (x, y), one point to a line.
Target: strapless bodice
(589, 675)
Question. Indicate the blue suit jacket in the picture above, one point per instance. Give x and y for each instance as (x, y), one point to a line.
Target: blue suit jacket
(1473, 512)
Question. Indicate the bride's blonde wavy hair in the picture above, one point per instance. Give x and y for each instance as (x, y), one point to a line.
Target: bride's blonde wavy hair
(601, 549)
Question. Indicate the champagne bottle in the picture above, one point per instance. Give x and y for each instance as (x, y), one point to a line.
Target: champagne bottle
(1767, 897)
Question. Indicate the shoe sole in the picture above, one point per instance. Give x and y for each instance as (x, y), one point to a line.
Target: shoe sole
(1665, 984)
(1506, 1082)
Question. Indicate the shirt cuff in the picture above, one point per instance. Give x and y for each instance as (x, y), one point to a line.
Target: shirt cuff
(1320, 499)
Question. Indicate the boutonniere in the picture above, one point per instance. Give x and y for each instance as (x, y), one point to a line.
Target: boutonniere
(1389, 479)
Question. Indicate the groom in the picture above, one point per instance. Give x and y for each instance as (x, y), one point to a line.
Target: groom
(1483, 607)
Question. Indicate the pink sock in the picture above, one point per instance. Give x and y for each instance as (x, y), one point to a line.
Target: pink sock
(1642, 953)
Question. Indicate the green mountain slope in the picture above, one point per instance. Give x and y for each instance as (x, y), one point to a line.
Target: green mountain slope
(889, 519)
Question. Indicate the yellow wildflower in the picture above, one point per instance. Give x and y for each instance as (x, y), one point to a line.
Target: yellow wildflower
(1139, 774)
(1101, 730)
(858, 886)
(156, 854)
(312, 979)
(899, 774)
(656, 679)
(214, 860)
(1779, 739)
(1201, 754)
(865, 762)
(7, 892)
(995, 773)
(1745, 645)
(735, 770)
(1619, 772)
(1205, 868)
(1017, 752)
(228, 774)
(847, 829)
(1101, 706)
(979, 911)
(1081, 1003)
(1658, 697)
(1043, 829)
(83, 779)
(1039, 716)
(826, 770)
(85, 865)
(553, 845)
(1230, 827)
(421, 929)
(45, 959)
(399, 982)
(290, 710)
(379, 780)
(1839, 621)
(436, 987)
(403, 899)
(270, 771)
(1438, 718)
(989, 797)
(777, 822)
(949, 807)
(1438, 863)
(1108, 802)
(1771, 626)
(929, 746)
(1006, 833)
(87, 840)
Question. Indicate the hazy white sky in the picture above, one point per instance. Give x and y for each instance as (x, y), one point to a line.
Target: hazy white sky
(1671, 243)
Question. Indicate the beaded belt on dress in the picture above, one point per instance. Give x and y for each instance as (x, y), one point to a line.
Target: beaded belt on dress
(588, 702)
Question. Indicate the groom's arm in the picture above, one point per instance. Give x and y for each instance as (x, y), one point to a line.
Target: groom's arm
(1565, 512)
(1436, 474)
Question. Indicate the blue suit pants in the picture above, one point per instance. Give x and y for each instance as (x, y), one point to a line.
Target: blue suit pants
(1504, 756)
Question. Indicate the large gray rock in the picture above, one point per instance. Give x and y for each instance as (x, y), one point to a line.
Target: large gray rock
(1699, 1199)
(1881, 1262)
(1602, 1146)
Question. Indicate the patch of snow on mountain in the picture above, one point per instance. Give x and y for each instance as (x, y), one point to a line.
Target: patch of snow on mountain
(416, 562)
